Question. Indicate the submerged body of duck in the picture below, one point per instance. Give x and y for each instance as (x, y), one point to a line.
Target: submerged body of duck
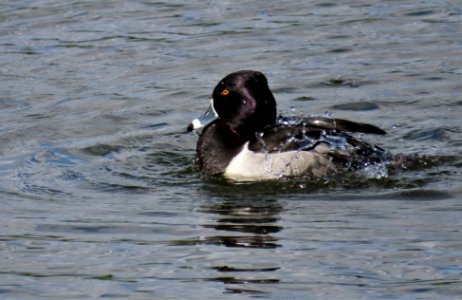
(247, 141)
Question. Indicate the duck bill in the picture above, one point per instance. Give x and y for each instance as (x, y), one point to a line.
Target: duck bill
(209, 116)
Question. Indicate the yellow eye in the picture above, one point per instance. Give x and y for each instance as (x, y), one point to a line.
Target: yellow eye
(225, 92)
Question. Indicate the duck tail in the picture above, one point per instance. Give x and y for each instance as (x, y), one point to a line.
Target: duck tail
(409, 161)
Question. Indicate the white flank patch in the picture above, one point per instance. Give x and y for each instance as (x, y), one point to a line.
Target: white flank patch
(248, 165)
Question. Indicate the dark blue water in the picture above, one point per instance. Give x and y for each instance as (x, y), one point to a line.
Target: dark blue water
(100, 196)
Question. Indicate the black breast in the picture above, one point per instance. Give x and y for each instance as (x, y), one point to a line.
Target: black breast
(217, 146)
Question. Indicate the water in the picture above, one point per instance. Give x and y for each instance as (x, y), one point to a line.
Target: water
(99, 193)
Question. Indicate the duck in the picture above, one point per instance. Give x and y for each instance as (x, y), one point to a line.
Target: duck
(243, 137)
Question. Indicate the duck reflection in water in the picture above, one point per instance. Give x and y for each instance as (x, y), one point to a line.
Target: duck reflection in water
(256, 221)
(250, 224)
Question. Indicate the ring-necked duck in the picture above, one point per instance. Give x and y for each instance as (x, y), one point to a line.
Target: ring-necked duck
(246, 140)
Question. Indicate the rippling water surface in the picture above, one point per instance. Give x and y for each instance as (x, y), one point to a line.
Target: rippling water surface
(99, 193)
